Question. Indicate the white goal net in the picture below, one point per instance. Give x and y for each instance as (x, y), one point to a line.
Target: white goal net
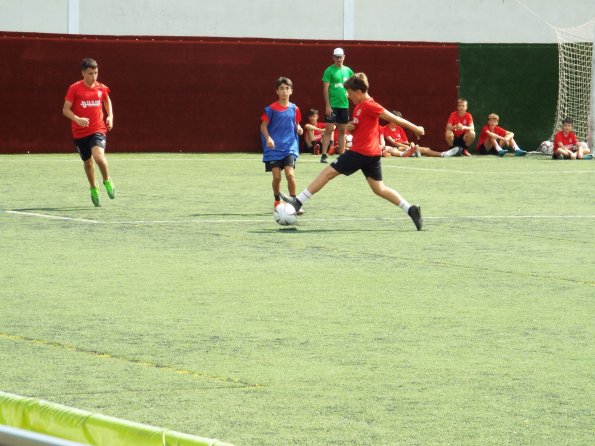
(575, 86)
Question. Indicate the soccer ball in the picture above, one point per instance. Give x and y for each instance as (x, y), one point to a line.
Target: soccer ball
(546, 147)
(285, 214)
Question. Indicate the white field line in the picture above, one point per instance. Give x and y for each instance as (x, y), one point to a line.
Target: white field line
(52, 217)
(268, 220)
(305, 159)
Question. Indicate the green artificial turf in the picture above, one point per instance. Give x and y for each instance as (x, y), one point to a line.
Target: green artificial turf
(182, 304)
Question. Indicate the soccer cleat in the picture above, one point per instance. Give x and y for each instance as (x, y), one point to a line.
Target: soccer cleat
(323, 159)
(519, 152)
(297, 204)
(291, 201)
(465, 153)
(95, 196)
(110, 188)
(417, 153)
(452, 152)
(409, 152)
(588, 157)
(501, 152)
(415, 214)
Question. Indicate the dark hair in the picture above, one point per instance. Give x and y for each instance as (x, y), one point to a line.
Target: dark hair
(359, 81)
(312, 112)
(88, 63)
(567, 121)
(283, 80)
(397, 113)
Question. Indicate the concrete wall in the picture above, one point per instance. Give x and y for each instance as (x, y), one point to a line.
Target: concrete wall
(464, 21)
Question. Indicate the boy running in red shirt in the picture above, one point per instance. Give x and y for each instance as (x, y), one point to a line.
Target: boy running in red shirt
(83, 105)
(365, 151)
(492, 138)
(566, 144)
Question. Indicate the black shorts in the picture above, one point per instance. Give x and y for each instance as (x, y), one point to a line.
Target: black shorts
(86, 144)
(288, 161)
(482, 149)
(350, 162)
(459, 141)
(338, 116)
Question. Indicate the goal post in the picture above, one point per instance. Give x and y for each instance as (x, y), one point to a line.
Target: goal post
(576, 83)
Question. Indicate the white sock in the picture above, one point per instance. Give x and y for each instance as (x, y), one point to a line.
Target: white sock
(404, 205)
(515, 147)
(497, 147)
(304, 196)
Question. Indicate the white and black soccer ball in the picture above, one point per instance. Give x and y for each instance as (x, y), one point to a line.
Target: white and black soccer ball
(285, 214)
(546, 147)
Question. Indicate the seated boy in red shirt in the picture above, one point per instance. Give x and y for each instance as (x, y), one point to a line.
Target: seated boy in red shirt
(313, 132)
(567, 146)
(397, 143)
(460, 131)
(492, 139)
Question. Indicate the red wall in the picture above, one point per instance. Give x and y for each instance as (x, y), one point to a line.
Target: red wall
(201, 94)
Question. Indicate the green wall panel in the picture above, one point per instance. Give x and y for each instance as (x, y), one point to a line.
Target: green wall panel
(519, 82)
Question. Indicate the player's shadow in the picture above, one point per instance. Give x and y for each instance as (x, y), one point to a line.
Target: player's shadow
(299, 230)
(79, 208)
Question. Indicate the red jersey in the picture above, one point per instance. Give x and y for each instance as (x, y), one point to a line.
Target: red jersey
(365, 133)
(483, 136)
(87, 102)
(568, 141)
(398, 134)
(455, 119)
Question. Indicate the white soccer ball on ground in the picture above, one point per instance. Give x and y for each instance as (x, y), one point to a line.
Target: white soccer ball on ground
(285, 214)
(547, 147)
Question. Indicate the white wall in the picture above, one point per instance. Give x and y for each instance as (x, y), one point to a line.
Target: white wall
(466, 21)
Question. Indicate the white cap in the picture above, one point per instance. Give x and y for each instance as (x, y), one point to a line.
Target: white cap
(338, 52)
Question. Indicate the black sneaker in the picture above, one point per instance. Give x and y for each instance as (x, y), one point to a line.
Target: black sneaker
(415, 214)
(323, 159)
(292, 201)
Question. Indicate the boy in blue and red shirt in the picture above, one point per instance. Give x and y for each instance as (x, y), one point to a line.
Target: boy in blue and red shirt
(279, 132)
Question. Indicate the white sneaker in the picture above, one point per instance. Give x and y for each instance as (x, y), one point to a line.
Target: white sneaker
(452, 152)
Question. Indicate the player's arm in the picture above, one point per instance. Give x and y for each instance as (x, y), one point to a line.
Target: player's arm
(109, 111)
(388, 116)
(67, 111)
(265, 131)
(327, 99)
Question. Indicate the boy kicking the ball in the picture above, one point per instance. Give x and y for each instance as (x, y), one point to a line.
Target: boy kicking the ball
(83, 105)
(365, 153)
(279, 132)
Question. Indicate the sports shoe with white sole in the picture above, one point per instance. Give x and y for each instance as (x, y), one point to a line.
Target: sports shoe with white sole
(452, 152)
